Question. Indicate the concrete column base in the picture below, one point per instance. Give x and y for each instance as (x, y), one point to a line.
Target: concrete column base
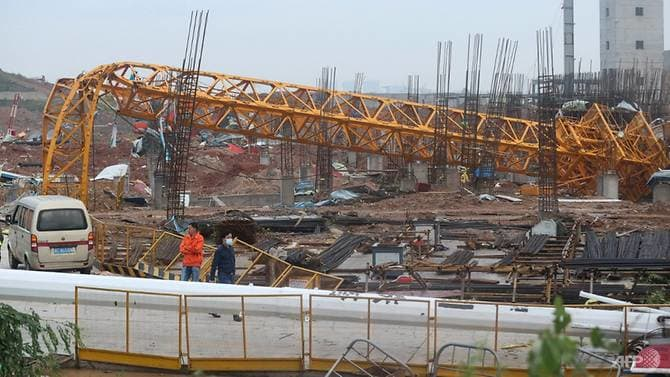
(547, 227)
(420, 170)
(158, 200)
(661, 193)
(351, 159)
(608, 185)
(407, 184)
(453, 180)
(304, 172)
(375, 162)
(286, 193)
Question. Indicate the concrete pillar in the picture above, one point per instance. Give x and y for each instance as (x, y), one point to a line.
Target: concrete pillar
(158, 192)
(351, 159)
(304, 172)
(607, 185)
(453, 179)
(420, 172)
(424, 228)
(599, 185)
(407, 184)
(547, 227)
(151, 171)
(286, 193)
(611, 185)
(375, 162)
(661, 193)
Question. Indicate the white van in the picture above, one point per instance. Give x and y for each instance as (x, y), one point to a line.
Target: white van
(50, 232)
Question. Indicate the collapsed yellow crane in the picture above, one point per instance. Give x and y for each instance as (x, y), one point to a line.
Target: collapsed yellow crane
(355, 122)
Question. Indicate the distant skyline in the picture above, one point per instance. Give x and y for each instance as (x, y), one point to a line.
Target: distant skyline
(288, 40)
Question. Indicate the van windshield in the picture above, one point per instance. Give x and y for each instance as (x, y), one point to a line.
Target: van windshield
(61, 219)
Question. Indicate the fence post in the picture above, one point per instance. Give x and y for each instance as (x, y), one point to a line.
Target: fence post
(179, 313)
(127, 321)
(188, 345)
(244, 328)
(76, 324)
(495, 338)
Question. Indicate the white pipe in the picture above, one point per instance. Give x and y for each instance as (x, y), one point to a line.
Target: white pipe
(51, 287)
(612, 301)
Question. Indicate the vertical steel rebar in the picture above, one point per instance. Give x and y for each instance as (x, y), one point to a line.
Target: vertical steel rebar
(324, 164)
(185, 101)
(470, 153)
(546, 113)
(437, 172)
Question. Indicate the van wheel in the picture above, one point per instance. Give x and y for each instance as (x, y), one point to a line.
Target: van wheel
(13, 262)
(85, 271)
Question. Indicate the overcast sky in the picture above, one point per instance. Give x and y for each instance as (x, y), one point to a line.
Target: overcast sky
(287, 40)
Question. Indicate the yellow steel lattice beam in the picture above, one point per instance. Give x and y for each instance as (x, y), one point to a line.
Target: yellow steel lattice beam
(355, 122)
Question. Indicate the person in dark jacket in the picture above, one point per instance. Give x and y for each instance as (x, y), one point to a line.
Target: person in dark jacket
(224, 261)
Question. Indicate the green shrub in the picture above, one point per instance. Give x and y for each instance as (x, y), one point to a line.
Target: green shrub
(556, 351)
(28, 344)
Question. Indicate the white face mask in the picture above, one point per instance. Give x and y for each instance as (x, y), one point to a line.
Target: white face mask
(229, 242)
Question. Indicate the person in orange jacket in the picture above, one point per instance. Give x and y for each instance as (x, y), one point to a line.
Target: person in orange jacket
(191, 247)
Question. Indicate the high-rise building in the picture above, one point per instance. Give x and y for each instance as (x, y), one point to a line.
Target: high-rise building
(631, 33)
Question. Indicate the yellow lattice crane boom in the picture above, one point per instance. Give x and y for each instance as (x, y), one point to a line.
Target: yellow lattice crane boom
(357, 122)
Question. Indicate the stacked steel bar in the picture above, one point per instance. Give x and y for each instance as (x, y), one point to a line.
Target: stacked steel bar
(546, 128)
(185, 93)
(500, 86)
(340, 251)
(324, 166)
(469, 126)
(437, 172)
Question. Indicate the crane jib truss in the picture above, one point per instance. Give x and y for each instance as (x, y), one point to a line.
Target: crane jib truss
(260, 108)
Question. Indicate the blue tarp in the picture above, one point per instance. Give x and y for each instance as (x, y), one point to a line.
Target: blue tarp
(303, 205)
(343, 195)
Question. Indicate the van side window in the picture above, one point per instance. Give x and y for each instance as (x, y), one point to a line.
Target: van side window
(24, 218)
(18, 216)
(15, 216)
(28, 219)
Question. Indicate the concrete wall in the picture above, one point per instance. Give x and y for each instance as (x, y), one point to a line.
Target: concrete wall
(286, 191)
(375, 162)
(246, 200)
(621, 28)
(661, 193)
(420, 169)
